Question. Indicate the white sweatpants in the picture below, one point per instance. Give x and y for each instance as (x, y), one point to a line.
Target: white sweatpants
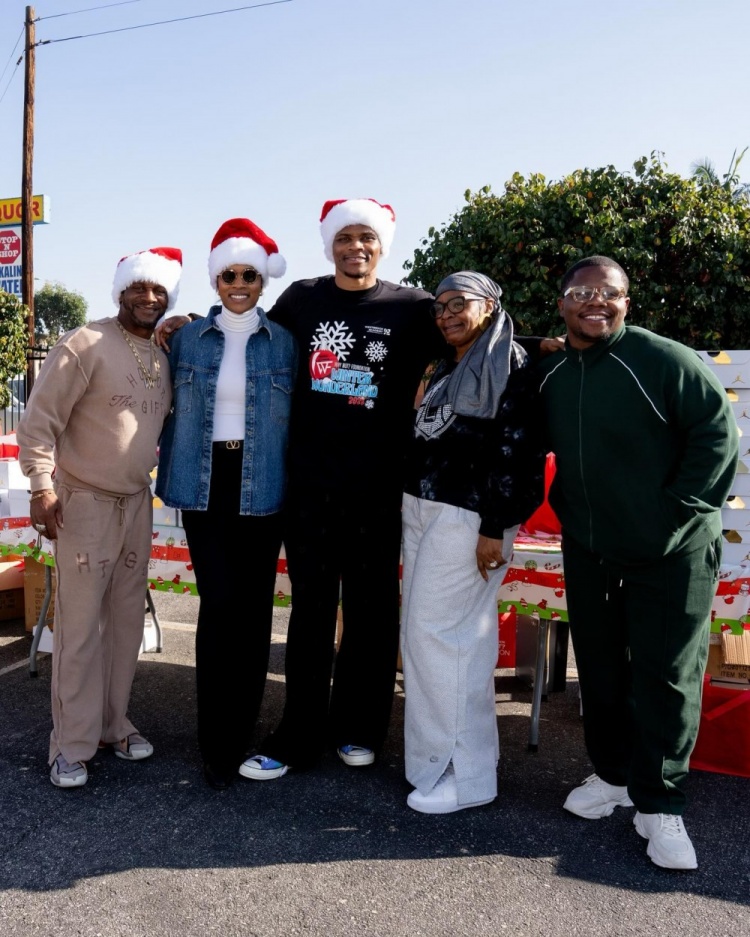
(449, 646)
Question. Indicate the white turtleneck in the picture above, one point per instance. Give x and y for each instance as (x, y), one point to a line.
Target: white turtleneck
(229, 411)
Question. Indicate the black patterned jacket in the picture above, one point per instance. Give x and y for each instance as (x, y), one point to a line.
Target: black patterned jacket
(493, 467)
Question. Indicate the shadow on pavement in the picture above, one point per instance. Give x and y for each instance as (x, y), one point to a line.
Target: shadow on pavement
(160, 814)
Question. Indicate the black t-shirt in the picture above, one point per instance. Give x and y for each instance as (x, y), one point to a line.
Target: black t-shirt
(362, 355)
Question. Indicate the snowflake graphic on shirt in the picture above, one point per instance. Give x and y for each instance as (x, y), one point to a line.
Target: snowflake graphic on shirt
(375, 351)
(333, 338)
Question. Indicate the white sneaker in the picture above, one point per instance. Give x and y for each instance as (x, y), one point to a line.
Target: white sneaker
(262, 768)
(356, 756)
(668, 843)
(595, 799)
(443, 798)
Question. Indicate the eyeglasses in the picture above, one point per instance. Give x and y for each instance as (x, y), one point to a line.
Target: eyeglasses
(584, 294)
(454, 306)
(248, 275)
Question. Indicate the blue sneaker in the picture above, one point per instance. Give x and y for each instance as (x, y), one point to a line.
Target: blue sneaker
(261, 768)
(356, 756)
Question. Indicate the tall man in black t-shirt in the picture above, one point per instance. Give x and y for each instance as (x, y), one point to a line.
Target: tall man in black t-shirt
(364, 345)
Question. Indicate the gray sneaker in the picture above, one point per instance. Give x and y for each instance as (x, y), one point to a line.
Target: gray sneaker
(64, 774)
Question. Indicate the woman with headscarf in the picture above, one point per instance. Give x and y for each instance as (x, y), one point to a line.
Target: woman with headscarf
(475, 473)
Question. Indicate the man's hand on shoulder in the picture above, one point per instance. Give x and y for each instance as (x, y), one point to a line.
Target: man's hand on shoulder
(550, 346)
(168, 327)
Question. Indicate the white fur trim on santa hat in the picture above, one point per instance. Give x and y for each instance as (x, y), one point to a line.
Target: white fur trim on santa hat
(244, 251)
(241, 241)
(160, 265)
(365, 211)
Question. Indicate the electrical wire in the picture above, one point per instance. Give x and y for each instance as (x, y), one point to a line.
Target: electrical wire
(10, 79)
(180, 19)
(105, 6)
(10, 57)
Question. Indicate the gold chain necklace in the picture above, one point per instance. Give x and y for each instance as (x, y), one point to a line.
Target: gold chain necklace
(149, 378)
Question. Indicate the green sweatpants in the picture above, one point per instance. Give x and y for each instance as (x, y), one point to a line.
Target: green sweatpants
(640, 635)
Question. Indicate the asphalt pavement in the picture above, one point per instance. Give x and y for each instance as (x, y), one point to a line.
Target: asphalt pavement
(149, 849)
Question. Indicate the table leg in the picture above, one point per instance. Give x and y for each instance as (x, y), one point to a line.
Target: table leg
(536, 699)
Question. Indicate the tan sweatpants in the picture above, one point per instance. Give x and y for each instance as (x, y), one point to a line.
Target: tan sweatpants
(101, 559)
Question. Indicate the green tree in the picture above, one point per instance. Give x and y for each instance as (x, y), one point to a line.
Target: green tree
(13, 342)
(56, 311)
(685, 246)
(704, 173)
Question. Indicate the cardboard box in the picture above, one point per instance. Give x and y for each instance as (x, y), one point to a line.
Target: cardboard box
(731, 367)
(18, 503)
(34, 585)
(11, 604)
(11, 589)
(721, 669)
(741, 411)
(735, 515)
(741, 484)
(11, 475)
(738, 395)
(735, 554)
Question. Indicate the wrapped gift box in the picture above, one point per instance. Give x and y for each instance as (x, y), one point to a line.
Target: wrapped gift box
(731, 367)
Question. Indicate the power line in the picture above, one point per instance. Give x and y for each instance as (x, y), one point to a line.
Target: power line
(10, 79)
(180, 19)
(11, 54)
(54, 16)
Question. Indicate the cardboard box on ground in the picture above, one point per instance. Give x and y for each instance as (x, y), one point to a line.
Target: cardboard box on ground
(34, 591)
(11, 588)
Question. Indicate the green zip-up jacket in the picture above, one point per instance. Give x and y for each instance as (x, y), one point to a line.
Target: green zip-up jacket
(645, 443)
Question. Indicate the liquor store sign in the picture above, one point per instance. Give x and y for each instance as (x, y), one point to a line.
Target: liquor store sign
(11, 215)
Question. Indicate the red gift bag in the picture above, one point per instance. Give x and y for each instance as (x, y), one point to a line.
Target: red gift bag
(544, 520)
(724, 737)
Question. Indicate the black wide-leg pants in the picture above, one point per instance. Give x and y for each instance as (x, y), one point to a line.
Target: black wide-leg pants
(352, 542)
(234, 557)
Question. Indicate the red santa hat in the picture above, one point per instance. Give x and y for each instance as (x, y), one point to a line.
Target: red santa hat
(160, 265)
(239, 241)
(341, 212)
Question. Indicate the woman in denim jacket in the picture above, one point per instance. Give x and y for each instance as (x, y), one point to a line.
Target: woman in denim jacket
(222, 462)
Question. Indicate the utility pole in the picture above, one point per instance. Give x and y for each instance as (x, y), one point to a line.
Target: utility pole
(27, 222)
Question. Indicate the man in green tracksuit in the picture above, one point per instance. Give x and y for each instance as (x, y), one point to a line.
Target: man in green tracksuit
(646, 449)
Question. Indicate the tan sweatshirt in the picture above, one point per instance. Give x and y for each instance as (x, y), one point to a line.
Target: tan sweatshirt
(91, 416)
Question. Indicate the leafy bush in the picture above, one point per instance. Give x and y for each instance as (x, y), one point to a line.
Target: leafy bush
(13, 342)
(685, 245)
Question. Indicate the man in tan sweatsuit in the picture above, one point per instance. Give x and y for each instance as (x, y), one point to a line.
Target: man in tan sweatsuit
(94, 419)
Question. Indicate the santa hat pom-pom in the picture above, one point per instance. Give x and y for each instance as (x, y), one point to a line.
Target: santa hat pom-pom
(276, 265)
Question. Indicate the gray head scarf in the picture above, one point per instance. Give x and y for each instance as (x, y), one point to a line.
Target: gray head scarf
(478, 381)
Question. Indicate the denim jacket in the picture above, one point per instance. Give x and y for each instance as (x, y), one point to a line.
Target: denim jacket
(184, 473)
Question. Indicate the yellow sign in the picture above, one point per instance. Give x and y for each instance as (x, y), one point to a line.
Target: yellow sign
(10, 211)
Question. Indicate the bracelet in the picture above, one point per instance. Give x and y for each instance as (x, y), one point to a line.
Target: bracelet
(40, 494)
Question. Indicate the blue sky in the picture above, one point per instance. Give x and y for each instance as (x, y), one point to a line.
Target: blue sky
(155, 136)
